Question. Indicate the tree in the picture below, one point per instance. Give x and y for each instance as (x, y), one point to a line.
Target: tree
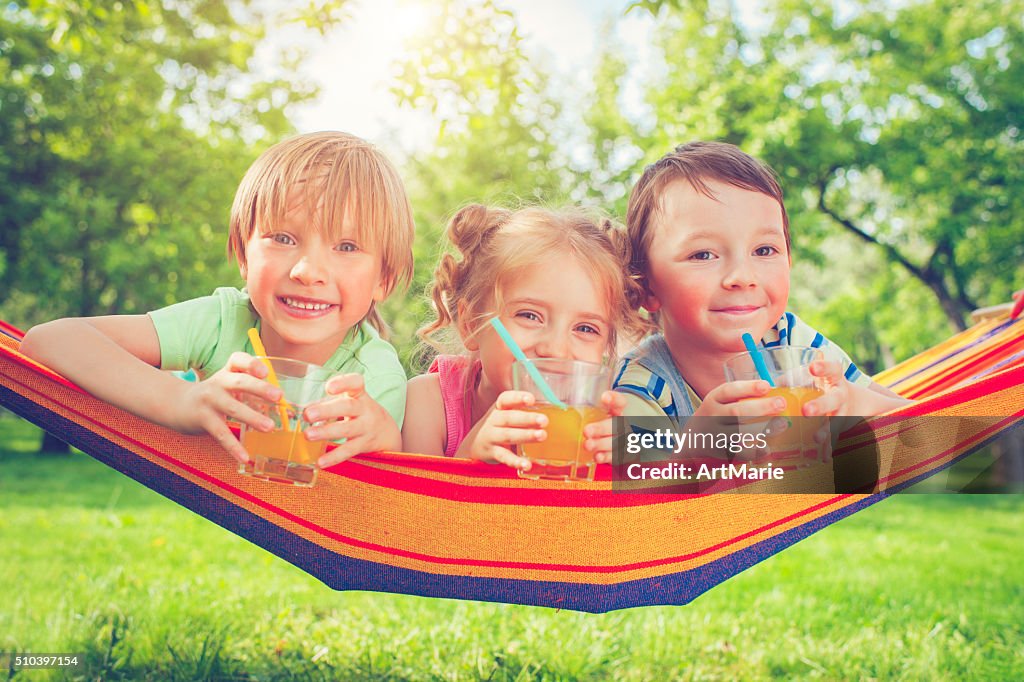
(895, 125)
(125, 128)
(496, 139)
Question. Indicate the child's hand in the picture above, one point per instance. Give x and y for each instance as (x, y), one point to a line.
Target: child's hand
(353, 415)
(598, 435)
(846, 399)
(740, 399)
(205, 406)
(507, 424)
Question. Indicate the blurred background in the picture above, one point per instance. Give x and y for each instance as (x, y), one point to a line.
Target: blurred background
(126, 126)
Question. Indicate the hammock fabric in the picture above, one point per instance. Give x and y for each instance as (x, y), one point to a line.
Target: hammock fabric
(987, 347)
(438, 527)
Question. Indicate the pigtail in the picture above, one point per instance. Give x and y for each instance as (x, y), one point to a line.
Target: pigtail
(470, 231)
(634, 323)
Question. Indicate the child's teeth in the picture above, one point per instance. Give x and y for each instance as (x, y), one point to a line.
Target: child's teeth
(307, 306)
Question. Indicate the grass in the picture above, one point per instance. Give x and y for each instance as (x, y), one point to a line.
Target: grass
(917, 587)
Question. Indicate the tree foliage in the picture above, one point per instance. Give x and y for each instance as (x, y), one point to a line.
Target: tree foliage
(125, 128)
(496, 126)
(896, 128)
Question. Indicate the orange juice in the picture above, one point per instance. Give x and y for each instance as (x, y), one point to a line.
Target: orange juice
(284, 456)
(796, 444)
(796, 397)
(562, 455)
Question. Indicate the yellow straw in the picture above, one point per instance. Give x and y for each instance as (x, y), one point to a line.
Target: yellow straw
(282, 404)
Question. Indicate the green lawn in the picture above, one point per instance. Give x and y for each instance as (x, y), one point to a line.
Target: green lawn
(917, 587)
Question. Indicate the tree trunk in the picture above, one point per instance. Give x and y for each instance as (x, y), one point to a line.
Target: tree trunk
(956, 308)
(52, 445)
(955, 311)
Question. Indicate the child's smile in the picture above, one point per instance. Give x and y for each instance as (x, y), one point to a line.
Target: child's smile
(305, 308)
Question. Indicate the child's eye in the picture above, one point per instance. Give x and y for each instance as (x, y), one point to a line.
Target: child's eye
(765, 251)
(281, 238)
(588, 329)
(528, 315)
(347, 247)
(702, 255)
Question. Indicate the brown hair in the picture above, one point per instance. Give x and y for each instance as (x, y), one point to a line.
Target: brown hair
(340, 174)
(497, 244)
(695, 162)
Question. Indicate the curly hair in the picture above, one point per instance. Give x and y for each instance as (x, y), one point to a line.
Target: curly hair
(495, 245)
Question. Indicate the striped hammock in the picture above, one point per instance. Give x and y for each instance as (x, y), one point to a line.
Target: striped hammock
(438, 527)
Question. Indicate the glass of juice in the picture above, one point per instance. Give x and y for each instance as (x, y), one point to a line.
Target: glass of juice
(284, 455)
(789, 368)
(561, 456)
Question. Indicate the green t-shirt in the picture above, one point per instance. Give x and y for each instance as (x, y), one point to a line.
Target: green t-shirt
(201, 334)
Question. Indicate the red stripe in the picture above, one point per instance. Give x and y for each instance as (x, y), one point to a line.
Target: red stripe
(11, 331)
(1010, 378)
(953, 375)
(998, 426)
(962, 349)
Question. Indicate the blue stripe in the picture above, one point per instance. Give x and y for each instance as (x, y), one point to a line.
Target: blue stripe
(640, 391)
(818, 340)
(671, 410)
(618, 377)
(852, 372)
(655, 385)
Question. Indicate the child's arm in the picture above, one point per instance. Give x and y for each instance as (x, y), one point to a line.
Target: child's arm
(423, 430)
(116, 358)
(353, 415)
(844, 398)
(505, 425)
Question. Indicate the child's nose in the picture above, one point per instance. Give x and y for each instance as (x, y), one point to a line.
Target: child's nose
(553, 345)
(740, 274)
(308, 270)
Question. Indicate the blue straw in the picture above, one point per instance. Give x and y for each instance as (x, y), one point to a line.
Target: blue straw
(755, 355)
(531, 369)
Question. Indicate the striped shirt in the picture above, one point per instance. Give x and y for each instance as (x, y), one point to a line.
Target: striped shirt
(655, 388)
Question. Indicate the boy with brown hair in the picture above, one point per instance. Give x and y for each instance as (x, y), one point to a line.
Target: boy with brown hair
(710, 240)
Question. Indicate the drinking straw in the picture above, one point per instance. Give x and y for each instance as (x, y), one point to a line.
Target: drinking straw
(531, 369)
(282, 405)
(755, 355)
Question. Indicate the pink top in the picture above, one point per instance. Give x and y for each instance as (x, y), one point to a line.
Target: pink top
(452, 373)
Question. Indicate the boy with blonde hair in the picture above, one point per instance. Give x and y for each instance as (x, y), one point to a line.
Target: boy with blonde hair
(710, 241)
(322, 232)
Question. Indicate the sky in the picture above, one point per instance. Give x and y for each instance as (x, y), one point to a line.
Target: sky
(352, 66)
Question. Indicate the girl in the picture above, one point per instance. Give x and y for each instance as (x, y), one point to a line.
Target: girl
(557, 281)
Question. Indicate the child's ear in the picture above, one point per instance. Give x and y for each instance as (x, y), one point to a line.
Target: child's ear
(469, 339)
(651, 303)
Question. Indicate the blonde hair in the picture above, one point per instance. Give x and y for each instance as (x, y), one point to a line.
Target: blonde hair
(340, 175)
(496, 245)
